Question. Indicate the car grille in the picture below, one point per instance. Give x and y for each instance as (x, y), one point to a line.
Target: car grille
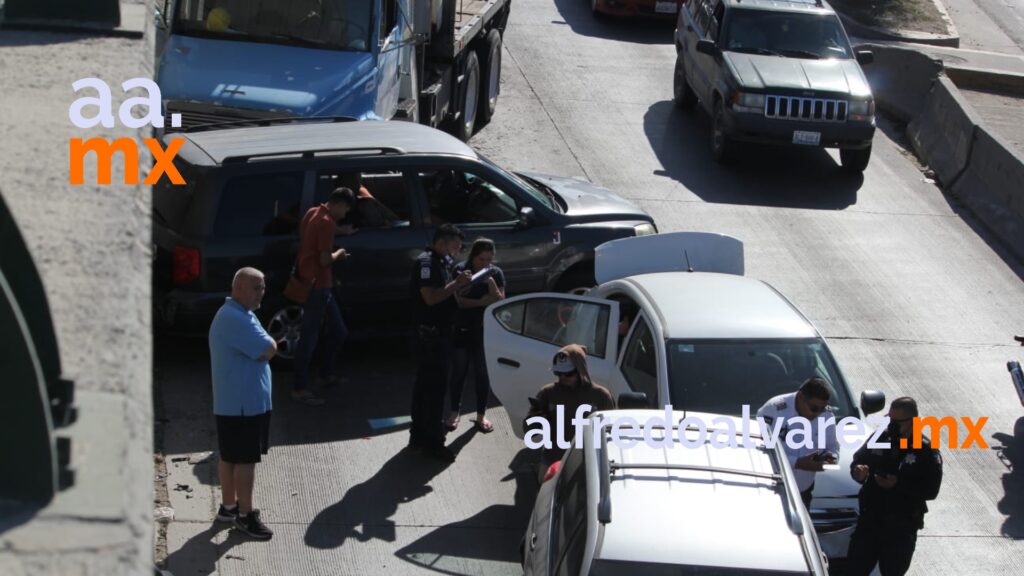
(810, 109)
(832, 519)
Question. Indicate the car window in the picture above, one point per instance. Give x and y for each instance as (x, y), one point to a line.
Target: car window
(787, 33)
(559, 322)
(715, 24)
(720, 376)
(458, 197)
(260, 205)
(382, 196)
(640, 362)
(703, 15)
(570, 514)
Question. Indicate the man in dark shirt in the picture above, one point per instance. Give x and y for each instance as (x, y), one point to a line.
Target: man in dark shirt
(433, 288)
(896, 484)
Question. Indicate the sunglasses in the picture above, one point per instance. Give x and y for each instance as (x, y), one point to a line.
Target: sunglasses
(816, 408)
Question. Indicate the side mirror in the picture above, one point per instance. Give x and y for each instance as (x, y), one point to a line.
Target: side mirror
(629, 400)
(526, 217)
(865, 57)
(707, 47)
(872, 401)
(159, 21)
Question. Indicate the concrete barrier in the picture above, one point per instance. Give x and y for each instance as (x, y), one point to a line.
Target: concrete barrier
(942, 133)
(992, 186)
(900, 79)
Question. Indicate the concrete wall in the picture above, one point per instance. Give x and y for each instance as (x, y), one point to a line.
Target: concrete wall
(91, 245)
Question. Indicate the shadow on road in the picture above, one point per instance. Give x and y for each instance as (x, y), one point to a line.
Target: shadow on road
(199, 556)
(1012, 505)
(577, 15)
(758, 175)
(365, 511)
(473, 537)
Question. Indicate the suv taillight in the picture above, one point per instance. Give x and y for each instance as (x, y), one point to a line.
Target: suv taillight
(186, 264)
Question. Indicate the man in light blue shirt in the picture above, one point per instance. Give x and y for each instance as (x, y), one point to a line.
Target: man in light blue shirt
(240, 353)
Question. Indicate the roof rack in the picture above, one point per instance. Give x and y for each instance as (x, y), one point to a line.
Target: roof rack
(310, 154)
(606, 468)
(255, 122)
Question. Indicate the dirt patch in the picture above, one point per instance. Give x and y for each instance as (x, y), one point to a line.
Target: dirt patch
(907, 15)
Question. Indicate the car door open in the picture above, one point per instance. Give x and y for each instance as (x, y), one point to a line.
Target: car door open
(523, 334)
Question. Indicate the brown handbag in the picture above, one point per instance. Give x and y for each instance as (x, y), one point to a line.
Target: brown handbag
(297, 290)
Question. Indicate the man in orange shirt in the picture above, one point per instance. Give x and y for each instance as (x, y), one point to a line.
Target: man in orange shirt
(316, 258)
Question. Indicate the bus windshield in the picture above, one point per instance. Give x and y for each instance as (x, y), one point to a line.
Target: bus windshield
(329, 24)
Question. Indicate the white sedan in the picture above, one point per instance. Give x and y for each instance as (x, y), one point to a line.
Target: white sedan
(703, 338)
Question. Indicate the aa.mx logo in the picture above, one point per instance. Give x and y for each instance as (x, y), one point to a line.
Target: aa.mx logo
(948, 423)
(104, 149)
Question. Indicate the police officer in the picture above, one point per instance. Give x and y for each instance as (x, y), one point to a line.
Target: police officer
(811, 403)
(896, 482)
(433, 288)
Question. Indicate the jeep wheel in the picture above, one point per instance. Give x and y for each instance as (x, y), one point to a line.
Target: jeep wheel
(721, 145)
(684, 96)
(284, 327)
(855, 161)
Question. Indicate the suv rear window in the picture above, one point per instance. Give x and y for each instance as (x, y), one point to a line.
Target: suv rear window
(260, 205)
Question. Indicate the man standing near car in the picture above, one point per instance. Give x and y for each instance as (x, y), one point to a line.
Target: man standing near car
(811, 403)
(240, 353)
(315, 262)
(433, 295)
(896, 483)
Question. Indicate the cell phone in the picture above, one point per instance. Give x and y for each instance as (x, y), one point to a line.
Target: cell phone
(825, 457)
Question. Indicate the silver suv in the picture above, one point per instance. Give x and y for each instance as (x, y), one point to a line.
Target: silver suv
(641, 510)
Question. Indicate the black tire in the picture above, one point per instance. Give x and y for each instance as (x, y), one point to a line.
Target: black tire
(576, 280)
(684, 96)
(855, 161)
(469, 104)
(721, 144)
(490, 57)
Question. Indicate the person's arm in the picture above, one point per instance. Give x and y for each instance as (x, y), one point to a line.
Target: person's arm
(253, 341)
(324, 232)
(859, 468)
(433, 295)
(269, 353)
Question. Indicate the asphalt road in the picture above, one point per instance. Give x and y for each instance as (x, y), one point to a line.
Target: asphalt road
(914, 296)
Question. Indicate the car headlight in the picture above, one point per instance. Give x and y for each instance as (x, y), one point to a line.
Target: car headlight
(862, 110)
(746, 102)
(644, 229)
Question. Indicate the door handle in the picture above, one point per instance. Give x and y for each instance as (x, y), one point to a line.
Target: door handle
(508, 362)
(533, 541)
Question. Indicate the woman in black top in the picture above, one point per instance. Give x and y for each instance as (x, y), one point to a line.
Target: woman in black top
(468, 341)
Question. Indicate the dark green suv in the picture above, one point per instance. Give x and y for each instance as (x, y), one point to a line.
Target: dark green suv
(775, 72)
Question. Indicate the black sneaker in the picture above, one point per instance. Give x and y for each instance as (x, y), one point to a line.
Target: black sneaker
(227, 514)
(251, 525)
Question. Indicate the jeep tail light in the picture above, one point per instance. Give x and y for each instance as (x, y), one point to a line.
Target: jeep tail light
(186, 264)
(552, 471)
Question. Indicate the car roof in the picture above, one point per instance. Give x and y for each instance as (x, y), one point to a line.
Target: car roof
(698, 305)
(697, 517)
(394, 137)
(783, 5)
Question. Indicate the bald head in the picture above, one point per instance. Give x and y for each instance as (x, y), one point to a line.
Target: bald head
(247, 288)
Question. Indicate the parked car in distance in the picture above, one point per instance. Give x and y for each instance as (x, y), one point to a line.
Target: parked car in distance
(641, 510)
(775, 72)
(709, 340)
(248, 188)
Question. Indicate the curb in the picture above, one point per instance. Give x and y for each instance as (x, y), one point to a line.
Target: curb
(943, 132)
(950, 39)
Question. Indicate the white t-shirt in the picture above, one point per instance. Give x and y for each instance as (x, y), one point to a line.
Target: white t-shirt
(784, 406)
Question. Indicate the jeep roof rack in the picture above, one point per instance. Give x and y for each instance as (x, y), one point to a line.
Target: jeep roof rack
(255, 122)
(310, 154)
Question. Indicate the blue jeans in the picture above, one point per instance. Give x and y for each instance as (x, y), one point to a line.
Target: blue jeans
(321, 308)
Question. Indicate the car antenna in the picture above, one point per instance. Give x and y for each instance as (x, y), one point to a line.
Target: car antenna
(689, 267)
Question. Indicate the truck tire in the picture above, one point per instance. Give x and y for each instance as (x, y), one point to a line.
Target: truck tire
(721, 144)
(684, 96)
(470, 103)
(490, 56)
(855, 161)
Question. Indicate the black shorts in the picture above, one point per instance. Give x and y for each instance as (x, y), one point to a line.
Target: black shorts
(242, 439)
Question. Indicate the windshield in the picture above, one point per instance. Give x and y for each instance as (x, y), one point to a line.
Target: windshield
(539, 192)
(720, 376)
(333, 24)
(802, 35)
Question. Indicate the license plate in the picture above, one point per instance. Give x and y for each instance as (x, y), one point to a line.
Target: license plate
(666, 7)
(806, 138)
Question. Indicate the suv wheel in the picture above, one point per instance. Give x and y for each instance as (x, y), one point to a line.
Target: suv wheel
(576, 281)
(284, 327)
(855, 161)
(721, 145)
(684, 96)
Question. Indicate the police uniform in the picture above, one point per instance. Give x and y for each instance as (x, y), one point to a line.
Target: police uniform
(433, 337)
(784, 406)
(886, 531)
